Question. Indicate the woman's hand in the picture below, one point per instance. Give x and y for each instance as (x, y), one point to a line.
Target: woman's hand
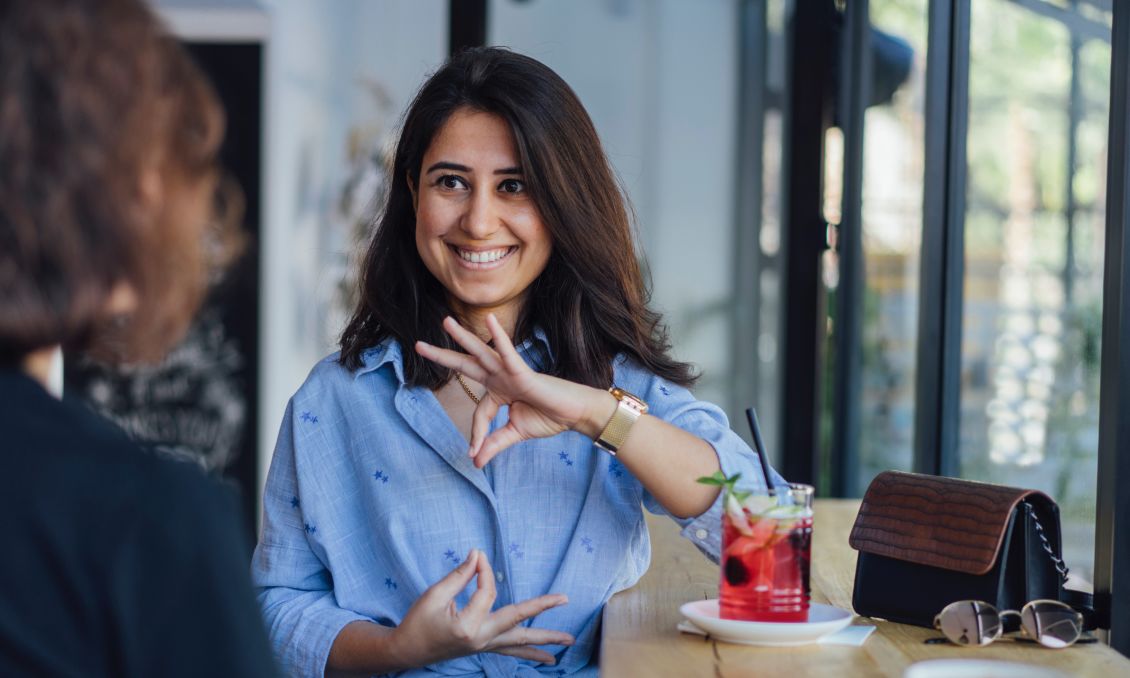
(434, 630)
(540, 405)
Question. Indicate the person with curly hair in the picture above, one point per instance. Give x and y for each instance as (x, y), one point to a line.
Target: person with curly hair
(116, 562)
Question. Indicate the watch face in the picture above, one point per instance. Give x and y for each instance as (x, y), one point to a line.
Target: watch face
(631, 400)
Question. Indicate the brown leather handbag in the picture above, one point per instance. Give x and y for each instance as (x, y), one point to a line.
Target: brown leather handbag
(927, 541)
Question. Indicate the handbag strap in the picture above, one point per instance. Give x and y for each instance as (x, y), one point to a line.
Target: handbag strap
(1080, 601)
(1060, 566)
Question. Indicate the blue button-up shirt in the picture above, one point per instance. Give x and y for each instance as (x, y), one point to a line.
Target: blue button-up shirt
(371, 498)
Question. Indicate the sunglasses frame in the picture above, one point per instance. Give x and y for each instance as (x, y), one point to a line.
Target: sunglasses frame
(1002, 614)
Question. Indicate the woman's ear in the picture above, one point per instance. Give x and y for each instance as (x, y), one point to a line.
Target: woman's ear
(150, 188)
(122, 299)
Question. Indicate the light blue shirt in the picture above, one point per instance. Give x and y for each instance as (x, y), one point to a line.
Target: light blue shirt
(371, 498)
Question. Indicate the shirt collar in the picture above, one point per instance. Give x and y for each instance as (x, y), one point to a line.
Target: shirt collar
(374, 357)
(535, 349)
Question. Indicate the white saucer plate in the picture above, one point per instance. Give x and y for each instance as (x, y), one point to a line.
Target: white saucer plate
(978, 668)
(822, 620)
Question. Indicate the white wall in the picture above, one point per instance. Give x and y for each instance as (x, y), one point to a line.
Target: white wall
(317, 56)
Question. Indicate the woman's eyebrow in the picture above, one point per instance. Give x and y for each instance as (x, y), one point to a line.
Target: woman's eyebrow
(444, 165)
(454, 166)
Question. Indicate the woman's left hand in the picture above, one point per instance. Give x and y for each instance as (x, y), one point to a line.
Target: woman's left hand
(540, 405)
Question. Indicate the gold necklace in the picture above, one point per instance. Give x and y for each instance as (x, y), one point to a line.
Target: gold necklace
(466, 388)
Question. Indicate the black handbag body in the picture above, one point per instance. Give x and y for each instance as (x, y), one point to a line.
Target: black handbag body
(926, 541)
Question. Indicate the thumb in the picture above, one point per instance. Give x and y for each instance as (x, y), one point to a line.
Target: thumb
(497, 442)
(456, 580)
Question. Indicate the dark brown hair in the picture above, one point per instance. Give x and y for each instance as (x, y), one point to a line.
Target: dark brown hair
(591, 300)
(95, 100)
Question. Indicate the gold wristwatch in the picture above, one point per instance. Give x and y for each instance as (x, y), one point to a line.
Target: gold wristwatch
(629, 408)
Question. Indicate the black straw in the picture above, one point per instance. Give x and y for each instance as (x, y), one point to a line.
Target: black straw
(759, 445)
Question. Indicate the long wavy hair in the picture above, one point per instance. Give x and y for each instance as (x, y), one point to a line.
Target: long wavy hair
(591, 300)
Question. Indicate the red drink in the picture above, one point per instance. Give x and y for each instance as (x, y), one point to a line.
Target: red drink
(766, 551)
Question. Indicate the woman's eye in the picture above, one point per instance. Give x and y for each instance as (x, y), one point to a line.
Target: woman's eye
(450, 181)
(512, 186)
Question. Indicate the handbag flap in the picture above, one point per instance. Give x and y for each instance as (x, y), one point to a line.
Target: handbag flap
(931, 520)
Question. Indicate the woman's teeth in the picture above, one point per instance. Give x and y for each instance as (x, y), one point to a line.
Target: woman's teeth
(483, 257)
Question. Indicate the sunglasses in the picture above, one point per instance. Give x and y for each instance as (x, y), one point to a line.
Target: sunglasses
(973, 622)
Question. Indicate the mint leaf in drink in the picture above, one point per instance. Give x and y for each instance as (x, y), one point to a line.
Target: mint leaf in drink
(729, 484)
(718, 479)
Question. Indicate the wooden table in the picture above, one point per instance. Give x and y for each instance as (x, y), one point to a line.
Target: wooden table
(639, 637)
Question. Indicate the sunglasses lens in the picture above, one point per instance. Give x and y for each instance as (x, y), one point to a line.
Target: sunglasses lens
(969, 622)
(1051, 623)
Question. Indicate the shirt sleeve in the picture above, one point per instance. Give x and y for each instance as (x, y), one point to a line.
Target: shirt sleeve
(676, 405)
(181, 600)
(294, 587)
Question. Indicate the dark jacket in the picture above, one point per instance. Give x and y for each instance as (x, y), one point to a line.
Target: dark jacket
(113, 561)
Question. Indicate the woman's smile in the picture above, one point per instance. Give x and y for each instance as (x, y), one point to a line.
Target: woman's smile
(483, 259)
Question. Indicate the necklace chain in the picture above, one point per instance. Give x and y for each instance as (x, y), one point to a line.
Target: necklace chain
(466, 388)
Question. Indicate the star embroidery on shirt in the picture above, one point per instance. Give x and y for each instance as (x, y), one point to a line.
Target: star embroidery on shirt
(310, 529)
(389, 583)
(616, 468)
(306, 416)
(564, 456)
(449, 554)
(664, 390)
(381, 476)
(516, 551)
(587, 543)
(294, 503)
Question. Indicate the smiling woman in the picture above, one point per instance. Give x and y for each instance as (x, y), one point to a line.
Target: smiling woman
(477, 229)
(469, 410)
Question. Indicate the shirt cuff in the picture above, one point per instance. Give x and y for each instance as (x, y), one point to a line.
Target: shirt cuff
(705, 531)
(306, 650)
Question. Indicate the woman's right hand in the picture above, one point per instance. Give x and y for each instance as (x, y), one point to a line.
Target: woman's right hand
(435, 630)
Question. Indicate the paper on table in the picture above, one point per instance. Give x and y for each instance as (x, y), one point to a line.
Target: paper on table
(851, 635)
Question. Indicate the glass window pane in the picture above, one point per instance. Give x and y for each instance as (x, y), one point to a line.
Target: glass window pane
(893, 159)
(1035, 198)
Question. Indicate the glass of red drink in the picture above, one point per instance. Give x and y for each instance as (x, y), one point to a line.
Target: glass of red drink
(766, 551)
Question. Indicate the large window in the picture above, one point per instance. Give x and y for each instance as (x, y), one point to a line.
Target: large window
(1034, 222)
(975, 287)
(894, 126)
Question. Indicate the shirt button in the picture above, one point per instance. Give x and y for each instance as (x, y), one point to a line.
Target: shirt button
(701, 533)
(499, 576)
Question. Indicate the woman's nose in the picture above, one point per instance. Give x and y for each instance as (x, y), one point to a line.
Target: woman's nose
(481, 219)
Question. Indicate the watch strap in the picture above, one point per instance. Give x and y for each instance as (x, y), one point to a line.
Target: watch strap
(629, 409)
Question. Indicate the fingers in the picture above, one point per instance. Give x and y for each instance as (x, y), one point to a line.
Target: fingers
(472, 344)
(503, 346)
(484, 413)
(457, 580)
(455, 360)
(531, 653)
(506, 619)
(494, 444)
(483, 598)
(524, 636)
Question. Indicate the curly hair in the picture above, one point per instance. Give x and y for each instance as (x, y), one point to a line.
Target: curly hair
(591, 300)
(109, 136)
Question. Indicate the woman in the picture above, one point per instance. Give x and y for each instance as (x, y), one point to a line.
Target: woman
(116, 563)
(500, 299)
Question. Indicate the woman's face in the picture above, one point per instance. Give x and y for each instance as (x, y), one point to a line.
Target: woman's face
(477, 229)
